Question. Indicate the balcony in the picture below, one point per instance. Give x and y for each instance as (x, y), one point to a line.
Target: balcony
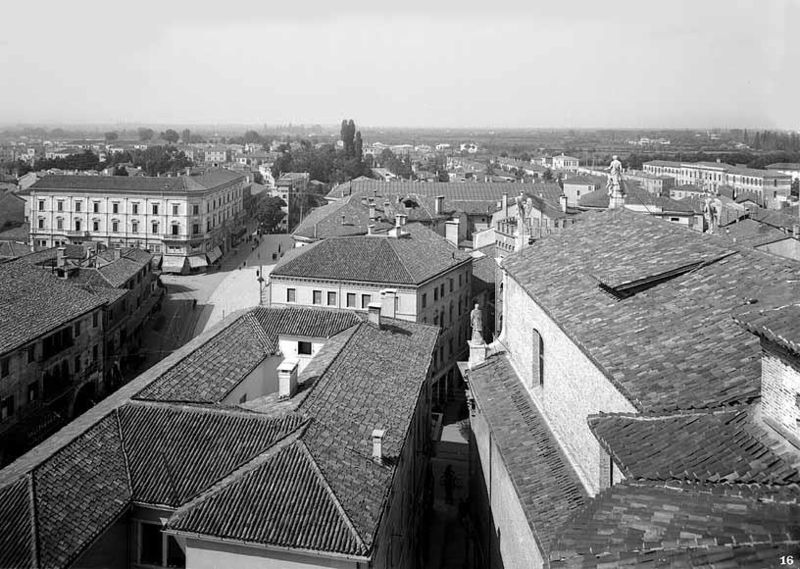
(75, 233)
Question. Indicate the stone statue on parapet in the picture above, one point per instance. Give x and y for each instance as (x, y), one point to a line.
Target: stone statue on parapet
(476, 321)
(615, 187)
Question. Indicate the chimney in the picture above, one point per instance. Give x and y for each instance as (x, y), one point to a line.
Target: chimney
(388, 302)
(374, 314)
(371, 229)
(505, 205)
(399, 219)
(562, 199)
(60, 256)
(377, 444)
(343, 219)
(287, 378)
(372, 212)
(439, 206)
(796, 231)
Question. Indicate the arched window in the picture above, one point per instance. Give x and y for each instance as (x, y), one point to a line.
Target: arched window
(537, 345)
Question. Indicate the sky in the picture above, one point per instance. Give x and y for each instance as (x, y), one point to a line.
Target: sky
(413, 63)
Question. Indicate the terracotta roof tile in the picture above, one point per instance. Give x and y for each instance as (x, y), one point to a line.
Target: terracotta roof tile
(406, 260)
(655, 344)
(17, 541)
(285, 501)
(778, 324)
(692, 447)
(548, 489)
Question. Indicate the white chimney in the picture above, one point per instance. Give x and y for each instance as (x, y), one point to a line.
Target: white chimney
(287, 378)
(505, 205)
(377, 444)
(562, 199)
(388, 302)
(372, 213)
(439, 205)
(374, 313)
(60, 256)
(371, 229)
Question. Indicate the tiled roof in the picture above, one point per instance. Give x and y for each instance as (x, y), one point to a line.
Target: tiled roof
(584, 181)
(784, 166)
(751, 233)
(176, 452)
(118, 272)
(13, 249)
(34, 302)
(326, 221)
(407, 260)
(547, 487)
(777, 324)
(17, 540)
(774, 218)
(289, 476)
(209, 373)
(674, 290)
(635, 196)
(483, 269)
(467, 191)
(692, 447)
(633, 525)
(181, 184)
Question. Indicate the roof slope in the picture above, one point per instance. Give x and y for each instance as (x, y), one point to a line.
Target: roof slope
(633, 525)
(655, 344)
(181, 184)
(635, 196)
(177, 452)
(696, 447)
(777, 324)
(484, 191)
(548, 489)
(406, 260)
(295, 508)
(34, 302)
(17, 540)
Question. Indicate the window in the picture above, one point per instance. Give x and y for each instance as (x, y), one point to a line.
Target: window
(157, 548)
(77, 331)
(78, 206)
(4, 366)
(95, 226)
(115, 208)
(459, 279)
(33, 392)
(41, 223)
(135, 209)
(175, 228)
(424, 300)
(6, 408)
(304, 348)
(291, 295)
(41, 205)
(77, 225)
(316, 297)
(195, 228)
(441, 291)
(155, 209)
(31, 353)
(243, 398)
(331, 299)
(60, 205)
(435, 294)
(195, 210)
(115, 226)
(174, 209)
(351, 300)
(95, 207)
(451, 285)
(134, 227)
(538, 358)
(95, 351)
(77, 364)
(365, 300)
(60, 223)
(155, 227)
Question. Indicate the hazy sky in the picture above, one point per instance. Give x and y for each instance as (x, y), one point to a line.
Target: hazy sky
(573, 63)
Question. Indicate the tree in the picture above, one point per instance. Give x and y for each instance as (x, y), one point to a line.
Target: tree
(251, 136)
(145, 133)
(269, 214)
(111, 136)
(358, 146)
(795, 191)
(120, 171)
(547, 176)
(171, 136)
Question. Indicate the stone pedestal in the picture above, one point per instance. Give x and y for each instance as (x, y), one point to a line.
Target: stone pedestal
(477, 353)
(616, 198)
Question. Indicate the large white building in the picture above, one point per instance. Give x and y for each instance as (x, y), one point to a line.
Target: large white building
(770, 188)
(190, 219)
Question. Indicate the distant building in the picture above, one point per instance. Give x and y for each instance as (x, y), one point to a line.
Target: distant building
(577, 186)
(417, 275)
(641, 201)
(217, 155)
(790, 169)
(565, 162)
(185, 218)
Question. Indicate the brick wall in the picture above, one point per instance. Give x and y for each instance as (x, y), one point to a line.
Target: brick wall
(780, 389)
(573, 389)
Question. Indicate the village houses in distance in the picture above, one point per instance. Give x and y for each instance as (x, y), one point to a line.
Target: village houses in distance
(327, 351)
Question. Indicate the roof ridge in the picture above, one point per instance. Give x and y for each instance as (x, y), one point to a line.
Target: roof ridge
(678, 413)
(249, 466)
(391, 243)
(337, 503)
(203, 408)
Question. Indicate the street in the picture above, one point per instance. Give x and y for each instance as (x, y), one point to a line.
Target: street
(194, 303)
